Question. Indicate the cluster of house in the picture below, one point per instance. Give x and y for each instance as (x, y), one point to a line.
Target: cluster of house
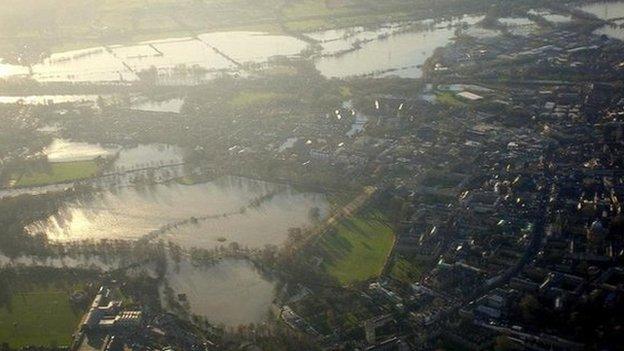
(514, 198)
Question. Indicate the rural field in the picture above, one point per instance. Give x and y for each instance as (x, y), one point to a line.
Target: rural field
(358, 247)
(39, 317)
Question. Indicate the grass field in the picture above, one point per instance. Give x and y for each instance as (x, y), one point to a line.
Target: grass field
(449, 99)
(357, 250)
(41, 318)
(58, 173)
(407, 270)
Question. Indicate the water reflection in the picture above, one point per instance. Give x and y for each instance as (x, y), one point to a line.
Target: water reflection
(249, 212)
(63, 150)
(400, 54)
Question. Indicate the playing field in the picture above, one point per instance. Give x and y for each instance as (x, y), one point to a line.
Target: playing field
(359, 247)
(40, 318)
(59, 173)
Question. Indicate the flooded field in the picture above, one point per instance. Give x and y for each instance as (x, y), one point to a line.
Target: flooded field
(609, 11)
(605, 10)
(47, 99)
(190, 57)
(147, 155)
(230, 209)
(63, 150)
(399, 54)
(615, 30)
(170, 105)
(253, 47)
(231, 292)
(551, 17)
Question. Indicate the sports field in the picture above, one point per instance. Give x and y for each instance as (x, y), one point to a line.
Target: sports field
(358, 247)
(40, 318)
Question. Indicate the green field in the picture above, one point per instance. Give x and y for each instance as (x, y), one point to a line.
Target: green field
(58, 173)
(41, 318)
(407, 270)
(449, 99)
(358, 248)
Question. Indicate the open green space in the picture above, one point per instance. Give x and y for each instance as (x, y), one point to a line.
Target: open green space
(358, 247)
(38, 317)
(407, 270)
(449, 99)
(58, 173)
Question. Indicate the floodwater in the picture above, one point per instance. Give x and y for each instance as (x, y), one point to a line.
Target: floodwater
(615, 30)
(171, 57)
(47, 99)
(398, 54)
(515, 21)
(165, 55)
(86, 65)
(609, 11)
(8, 70)
(232, 292)
(230, 209)
(125, 158)
(146, 156)
(551, 17)
(255, 47)
(335, 41)
(63, 150)
(521, 26)
(605, 10)
(170, 105)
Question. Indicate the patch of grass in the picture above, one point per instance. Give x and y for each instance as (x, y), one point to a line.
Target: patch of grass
(40, 317)
(407, 270)
(449, 99)
(58, 173)
(358, 247)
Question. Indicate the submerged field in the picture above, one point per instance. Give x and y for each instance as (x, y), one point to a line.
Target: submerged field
(39, 317)
(358, 247)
